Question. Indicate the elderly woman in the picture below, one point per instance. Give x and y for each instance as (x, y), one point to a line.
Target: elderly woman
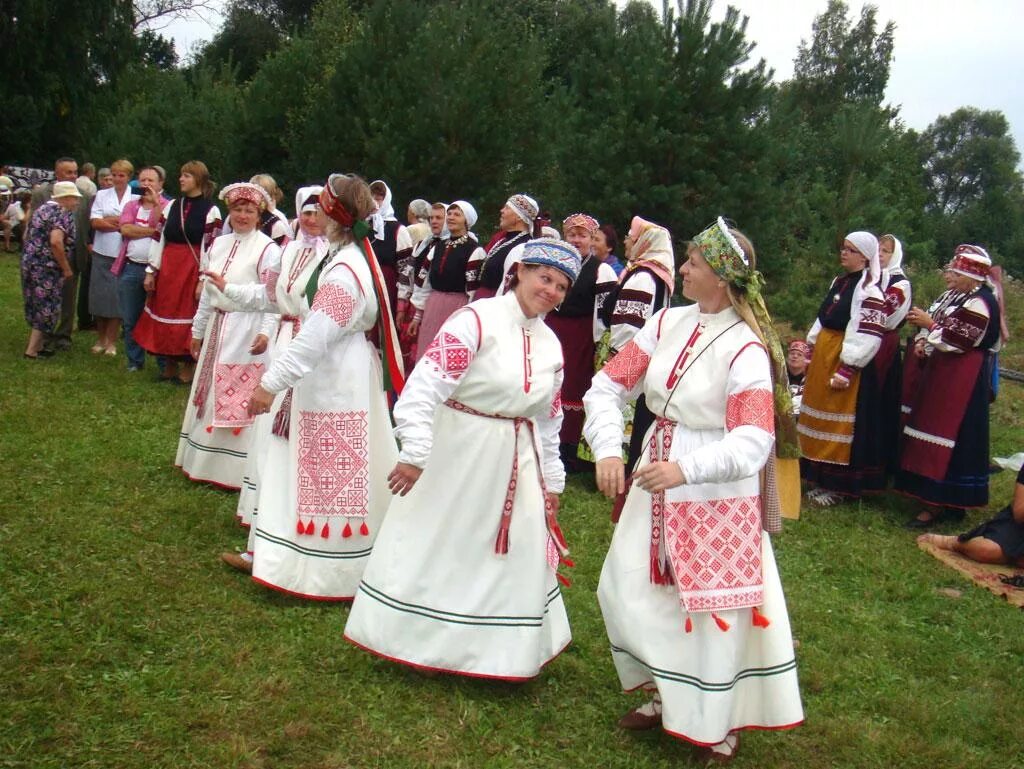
(462, 578)
(605, 241)
(690, 594)
(839, 414)
(578, 325)
(449, 276)
(418, 217)
(230, 345)
(944, 456)
(140, 223)
(187, 227)
(45, 266)
(516, 227)
(323, 486)
(107, 207)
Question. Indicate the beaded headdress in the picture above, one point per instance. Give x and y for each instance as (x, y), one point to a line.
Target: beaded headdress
(586, 221)
(525, 207)
(972, 261)
(553, 253)
(249, 193)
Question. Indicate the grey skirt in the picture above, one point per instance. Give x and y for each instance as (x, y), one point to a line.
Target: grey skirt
(103, 288)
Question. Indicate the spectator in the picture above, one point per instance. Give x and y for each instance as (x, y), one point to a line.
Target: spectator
(105, 219)
(604, 244)
(418, 217)
(104, 179)
(14, 218)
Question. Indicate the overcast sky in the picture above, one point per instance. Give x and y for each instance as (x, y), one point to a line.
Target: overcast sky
(948, 53)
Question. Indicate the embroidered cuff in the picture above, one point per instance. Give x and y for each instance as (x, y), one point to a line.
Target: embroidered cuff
(846, 372)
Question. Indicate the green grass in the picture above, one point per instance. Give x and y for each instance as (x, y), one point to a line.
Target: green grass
(124, 642)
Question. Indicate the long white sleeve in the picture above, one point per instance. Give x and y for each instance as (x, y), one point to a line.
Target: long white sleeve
(898, 299)
(963, 329)
(202, 316)
(548, 427)
(156, 251)
(633, 306)
(430, 385)
(337, 302)
(750, 425)
(620, 381)
(863, 334)
(421, 285)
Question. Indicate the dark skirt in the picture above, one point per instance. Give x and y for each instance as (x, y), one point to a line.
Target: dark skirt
(1002, 530)
(577, 338)
(966, 481)
(866, 471)
(889, 367)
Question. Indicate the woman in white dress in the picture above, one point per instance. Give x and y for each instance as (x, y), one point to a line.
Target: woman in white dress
(463, 575)
(323, 487)
(230, 344)
(690, 594)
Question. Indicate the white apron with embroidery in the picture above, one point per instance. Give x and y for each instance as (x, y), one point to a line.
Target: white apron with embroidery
(281, 290)
(329, 476)
(215, 436)
(436, 592)
(699, 637)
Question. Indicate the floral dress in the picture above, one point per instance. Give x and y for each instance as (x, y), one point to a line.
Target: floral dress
(41, 278)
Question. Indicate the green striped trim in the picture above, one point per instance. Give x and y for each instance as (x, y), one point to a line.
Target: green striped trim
(268, 537)
(709, 686)
(480, 620)
(208, 450)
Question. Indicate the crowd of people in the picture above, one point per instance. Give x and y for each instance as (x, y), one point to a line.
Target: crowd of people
(399, 404)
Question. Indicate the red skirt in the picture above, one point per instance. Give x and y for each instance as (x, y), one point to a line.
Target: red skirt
(165, 326)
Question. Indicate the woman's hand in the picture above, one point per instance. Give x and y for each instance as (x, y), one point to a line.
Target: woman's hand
(67, 273)
(919, 318)
(403, 478)
(216, 279)
(259, 344)
(149, 283)
(414, 327)
(260, 401)
(659, 476)
(551, 504)
(195, 347)
(610, 475)
(199, 290)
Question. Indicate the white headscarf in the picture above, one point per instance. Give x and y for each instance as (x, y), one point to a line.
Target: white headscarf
(866, 244)
(896, 260)
(304, 194)
(469, 212)
(385, 212)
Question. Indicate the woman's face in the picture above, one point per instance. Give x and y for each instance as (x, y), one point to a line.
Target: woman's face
(540, 289)
(579, 237)
(188, 183)
(885, 251)
(796, 362)
(947, 277)
(121, 179)
(850, 258)
(244, 217)
(700, 283)
(310, 224)
(627, 248)
(437, 217)
(68, 202)
(599, 245)
(456, 221)
(106, 181)
(963, 283)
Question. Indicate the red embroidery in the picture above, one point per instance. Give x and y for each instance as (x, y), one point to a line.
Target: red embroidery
(333, 463)
(716, 551)
(872, 317)
(894, 299)
(269, 279)
(233, 385)
(750, 407)
(628, 365)
(449, 355)
(335, 302)
(556, 405)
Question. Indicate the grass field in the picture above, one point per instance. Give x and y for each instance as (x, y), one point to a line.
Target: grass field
(124, 642)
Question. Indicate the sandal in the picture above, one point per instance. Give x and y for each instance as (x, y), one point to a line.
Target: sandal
(827, 498)
(1013, 580)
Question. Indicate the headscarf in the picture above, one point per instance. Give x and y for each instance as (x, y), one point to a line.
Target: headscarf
(652, 248)
(972, 261)
(385, 212)
(867, 245)
(558, 254)
(468, 211)
(246, 191)
(306, 199)
(896, 260)
(525, 208)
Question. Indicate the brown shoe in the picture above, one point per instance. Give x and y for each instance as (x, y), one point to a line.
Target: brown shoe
(236, 561)
(637, 721)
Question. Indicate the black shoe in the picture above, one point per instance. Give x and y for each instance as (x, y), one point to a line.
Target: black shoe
(61, 345)
(45, 353)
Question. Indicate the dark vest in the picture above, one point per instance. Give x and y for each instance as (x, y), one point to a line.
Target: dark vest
(834, 312)
(493, 273)
(448, 266)
(195, 221)
(387, 250)
(580, 299)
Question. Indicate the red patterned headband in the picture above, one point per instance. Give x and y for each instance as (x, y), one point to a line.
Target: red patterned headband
(971, 265)
(332, 206)
(587, 222)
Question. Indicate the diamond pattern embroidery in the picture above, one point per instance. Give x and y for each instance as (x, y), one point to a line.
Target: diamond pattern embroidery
(335, 302)
(626, 368)
(449, 355)
(333, 469)
(233, 384)
(716, 551)
(751, 407)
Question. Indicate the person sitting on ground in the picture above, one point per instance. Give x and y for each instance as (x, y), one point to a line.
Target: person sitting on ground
(999, 540)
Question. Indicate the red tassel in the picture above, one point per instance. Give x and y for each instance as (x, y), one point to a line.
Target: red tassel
(209, 429)
(568, 562)
(563, 579)
(237, 431)
(300, 528)
(347, 531)
(325, 532)
(310, 528)
(501, 543)
(758, 618)
(689, 624)
(722, 624)
(364, 529)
